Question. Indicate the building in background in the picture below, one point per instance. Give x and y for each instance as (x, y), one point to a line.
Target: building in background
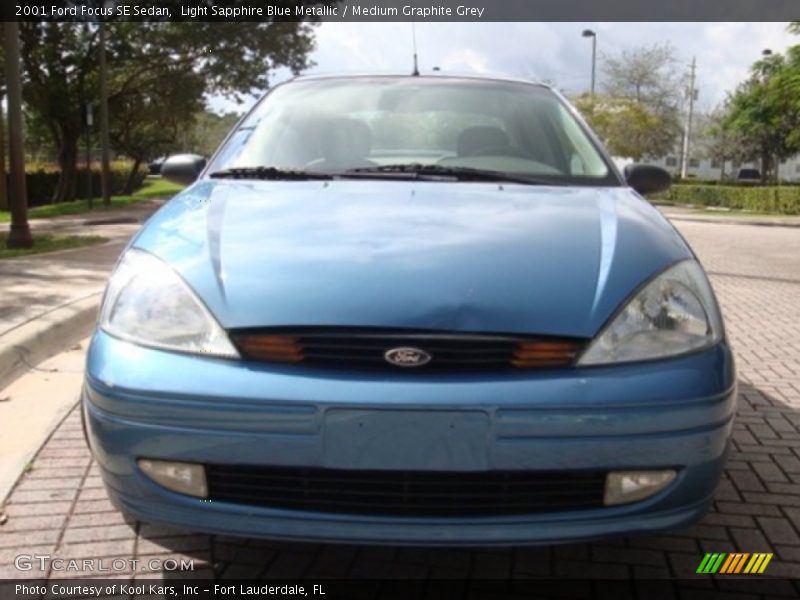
(699, 166)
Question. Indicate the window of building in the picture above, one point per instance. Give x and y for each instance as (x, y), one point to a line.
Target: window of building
(716, 163)
(672, 161)
(694, 163)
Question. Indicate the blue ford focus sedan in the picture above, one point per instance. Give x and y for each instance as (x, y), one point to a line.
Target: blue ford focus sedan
(410, 310)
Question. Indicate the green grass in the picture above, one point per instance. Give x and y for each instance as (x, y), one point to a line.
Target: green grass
(154, 187)
(49, 242)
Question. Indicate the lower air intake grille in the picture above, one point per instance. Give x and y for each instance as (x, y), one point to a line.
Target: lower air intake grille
(406, 493)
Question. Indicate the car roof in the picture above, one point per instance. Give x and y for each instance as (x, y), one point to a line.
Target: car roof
(438, 75)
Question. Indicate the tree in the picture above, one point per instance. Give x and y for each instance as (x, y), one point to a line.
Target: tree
(147, 123)
(637, 112)
(784, 95)
(629, 128)
(206, 132)
(719, 141)
(57, 62)
(19, 234)
(3, 181)
(764, 112)
(226, 58)
(646, 75)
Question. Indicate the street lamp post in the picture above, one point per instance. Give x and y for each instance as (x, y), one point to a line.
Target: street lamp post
(688, 131)
(593, 35)
(19, 235)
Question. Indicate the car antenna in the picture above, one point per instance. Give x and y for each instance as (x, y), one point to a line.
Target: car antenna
(415, 72)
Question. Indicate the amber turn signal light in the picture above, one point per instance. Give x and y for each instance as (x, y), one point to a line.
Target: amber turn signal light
(273, 348)
(544, 353)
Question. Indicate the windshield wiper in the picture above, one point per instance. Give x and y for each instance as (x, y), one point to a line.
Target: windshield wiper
(268, 173)
(420, 171)
(399, 171)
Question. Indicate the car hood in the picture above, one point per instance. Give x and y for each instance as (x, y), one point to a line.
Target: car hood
(478, 257)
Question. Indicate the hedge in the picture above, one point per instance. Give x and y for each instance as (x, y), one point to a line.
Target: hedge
(41, 182)
(727, 182)
(777, 199)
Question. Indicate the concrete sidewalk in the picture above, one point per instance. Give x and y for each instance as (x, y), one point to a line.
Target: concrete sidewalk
(50, 300)
(48, 305)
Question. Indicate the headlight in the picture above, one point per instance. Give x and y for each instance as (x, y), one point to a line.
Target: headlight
(673, 314)
(147, 303)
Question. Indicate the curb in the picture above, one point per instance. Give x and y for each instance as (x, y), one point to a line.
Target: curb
(730, 221)
(44, 336)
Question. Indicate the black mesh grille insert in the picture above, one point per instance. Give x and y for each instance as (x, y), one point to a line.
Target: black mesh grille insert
(406, 493)
(368, 348)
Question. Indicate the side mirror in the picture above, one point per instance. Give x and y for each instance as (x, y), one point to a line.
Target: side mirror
(183, 168)
(647, 179)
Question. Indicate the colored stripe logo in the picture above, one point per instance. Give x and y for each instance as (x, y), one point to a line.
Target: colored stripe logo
(734, 564)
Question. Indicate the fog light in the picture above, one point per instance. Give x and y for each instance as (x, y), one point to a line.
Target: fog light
(184, 478)
(623, 487)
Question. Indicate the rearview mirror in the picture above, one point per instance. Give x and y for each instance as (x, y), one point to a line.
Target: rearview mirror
(183, 168)
(647, 179)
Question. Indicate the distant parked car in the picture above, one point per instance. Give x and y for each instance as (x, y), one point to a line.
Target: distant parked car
(154, 168)
(748, 176)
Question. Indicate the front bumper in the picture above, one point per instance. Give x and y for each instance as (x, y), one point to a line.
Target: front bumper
(676, 413)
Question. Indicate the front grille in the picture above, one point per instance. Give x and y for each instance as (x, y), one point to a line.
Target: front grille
(359, 348)
(406, 493)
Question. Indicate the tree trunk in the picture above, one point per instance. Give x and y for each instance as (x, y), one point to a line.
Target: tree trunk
(137, 162)
(766, 164)
(3, 180)
(67, 163)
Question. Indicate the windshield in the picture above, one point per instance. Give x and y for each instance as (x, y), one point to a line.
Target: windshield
(337, 125)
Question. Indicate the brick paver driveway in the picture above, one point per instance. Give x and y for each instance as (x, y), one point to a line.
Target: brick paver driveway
(60, 507)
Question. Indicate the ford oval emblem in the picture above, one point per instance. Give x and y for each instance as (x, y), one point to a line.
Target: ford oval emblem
(407, 357)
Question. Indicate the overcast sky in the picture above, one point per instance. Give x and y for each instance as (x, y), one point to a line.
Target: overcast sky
(552, 52)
